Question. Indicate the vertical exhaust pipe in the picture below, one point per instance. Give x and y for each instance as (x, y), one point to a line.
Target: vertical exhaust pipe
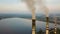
(47, 20)
(30, 4)
(44, 8)
(47, 25)
(33, 21)
(33, 26)
(55, 25)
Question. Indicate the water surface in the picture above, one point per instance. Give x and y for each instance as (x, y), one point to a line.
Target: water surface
(22, 26)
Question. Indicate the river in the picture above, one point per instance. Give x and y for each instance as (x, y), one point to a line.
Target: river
(21, 26)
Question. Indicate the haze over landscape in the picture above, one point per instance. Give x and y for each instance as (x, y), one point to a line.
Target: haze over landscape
(16, 16)
(20, 6)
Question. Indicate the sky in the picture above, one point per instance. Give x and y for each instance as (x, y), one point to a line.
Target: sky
(17, 6)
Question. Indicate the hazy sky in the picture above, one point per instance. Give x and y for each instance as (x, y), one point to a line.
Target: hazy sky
(7, 6)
